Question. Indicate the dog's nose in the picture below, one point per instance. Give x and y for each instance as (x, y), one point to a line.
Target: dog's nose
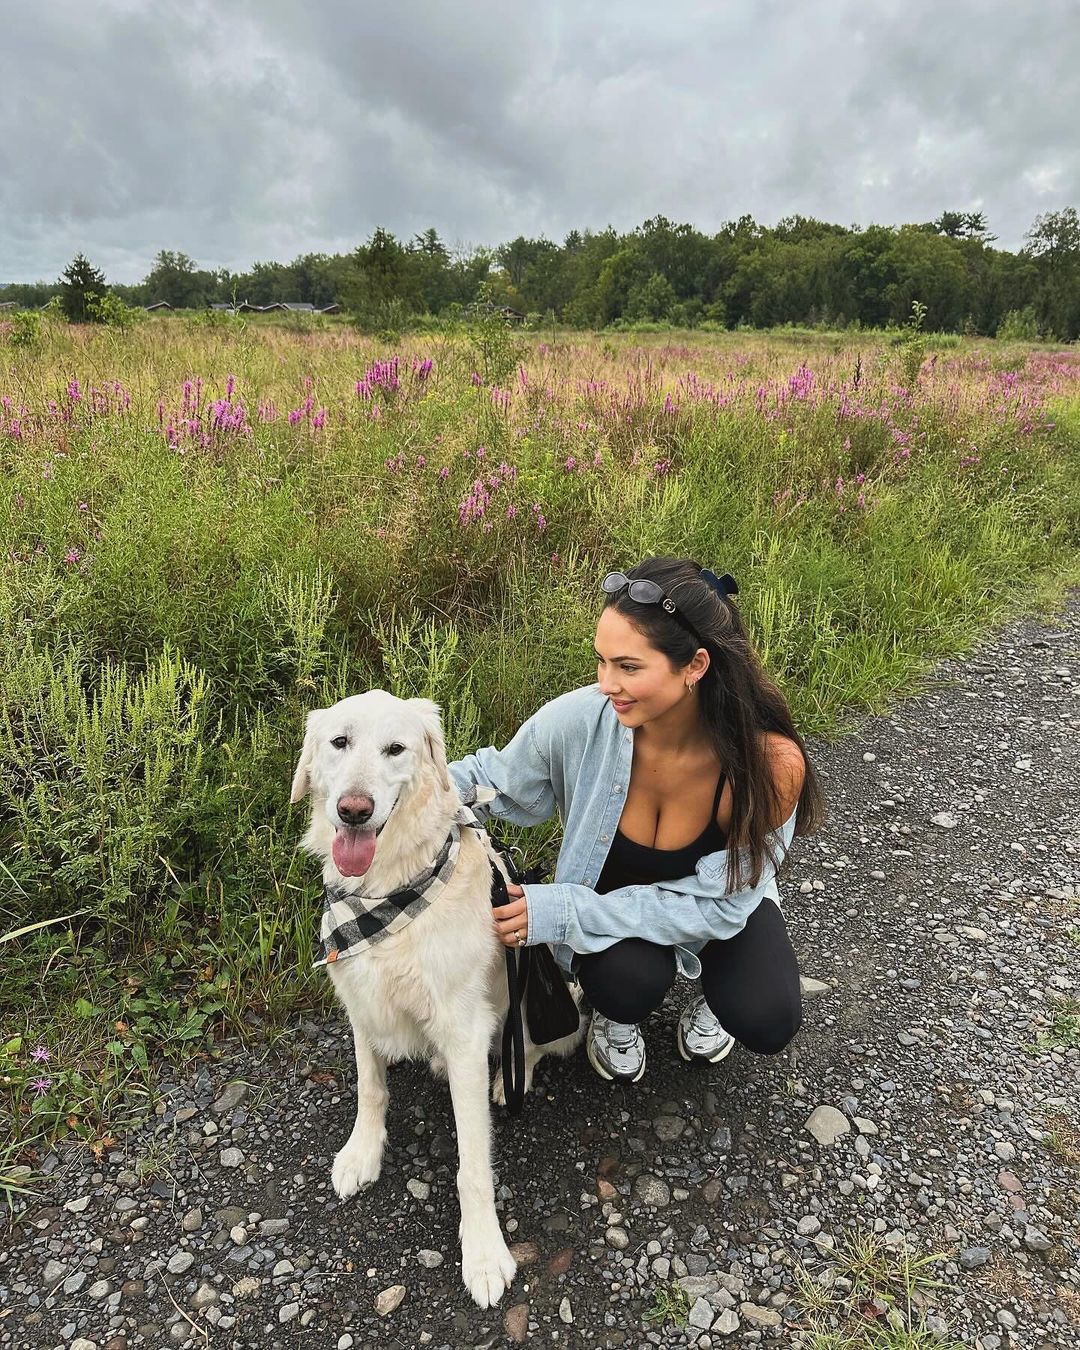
(355, 808)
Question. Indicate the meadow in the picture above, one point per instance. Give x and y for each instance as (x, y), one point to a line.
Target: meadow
(206, 531)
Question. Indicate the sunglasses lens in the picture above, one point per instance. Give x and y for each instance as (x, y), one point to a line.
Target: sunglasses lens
(645, 592)
(614, 581)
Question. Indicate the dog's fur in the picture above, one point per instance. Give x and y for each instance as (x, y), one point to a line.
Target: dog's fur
(437, 988)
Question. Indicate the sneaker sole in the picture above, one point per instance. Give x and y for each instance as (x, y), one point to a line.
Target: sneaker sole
(606, 1073)
(707, 1059)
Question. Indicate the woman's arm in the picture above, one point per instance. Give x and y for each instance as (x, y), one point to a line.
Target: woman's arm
(518, 774)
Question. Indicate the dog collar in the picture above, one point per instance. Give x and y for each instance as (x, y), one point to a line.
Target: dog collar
(351, 923)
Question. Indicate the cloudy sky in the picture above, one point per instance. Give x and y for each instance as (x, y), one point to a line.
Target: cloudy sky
(244, 130)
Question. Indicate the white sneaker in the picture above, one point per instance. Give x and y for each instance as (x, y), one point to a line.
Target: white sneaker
(700, 1035)
(616, 1049)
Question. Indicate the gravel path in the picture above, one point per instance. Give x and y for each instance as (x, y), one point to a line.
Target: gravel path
(935, 907)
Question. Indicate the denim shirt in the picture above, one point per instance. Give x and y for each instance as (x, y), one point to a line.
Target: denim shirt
(573, 756)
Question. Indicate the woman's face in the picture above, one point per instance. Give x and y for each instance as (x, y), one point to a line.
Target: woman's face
(636, 677)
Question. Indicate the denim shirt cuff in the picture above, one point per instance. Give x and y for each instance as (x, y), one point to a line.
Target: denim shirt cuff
(547, 913)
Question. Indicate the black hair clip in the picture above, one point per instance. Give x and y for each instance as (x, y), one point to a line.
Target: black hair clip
(723, 586)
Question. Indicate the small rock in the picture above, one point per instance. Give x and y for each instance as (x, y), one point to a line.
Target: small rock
(179, 1262)
(204, 1297)
(701, 1315)
(1035, 1240)
(1006, 1319)
(617, 1238)
(760, 1317)
(77, 1206)
(192, 1220)
(813, 988)
(973, 1257)
(419, 1189)
(429, 1259)
(865, 1126)
(287, 1312)
(668, 1128)
(566, 1313)
(53, 1273)
(651, 1190)
(273, 1227)
(516, 1322)
(389, 1299)
(808, 1226)
(99, 1289)
(81, 1343)
(827, 1124)
(230, 1098)
(560, 1263)
(945, 820)
(231, 1157)
(727, 1322)
(525, 1253)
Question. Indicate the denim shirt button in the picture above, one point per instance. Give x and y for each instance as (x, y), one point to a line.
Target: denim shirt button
(618, 787)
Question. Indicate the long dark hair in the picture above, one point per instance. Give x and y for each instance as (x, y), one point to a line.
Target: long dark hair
(739, 702)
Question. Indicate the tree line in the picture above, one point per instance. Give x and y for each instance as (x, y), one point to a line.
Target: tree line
(802, 272)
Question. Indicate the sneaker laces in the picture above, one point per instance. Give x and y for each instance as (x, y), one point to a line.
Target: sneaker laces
(621, 1035)
(704, 1021)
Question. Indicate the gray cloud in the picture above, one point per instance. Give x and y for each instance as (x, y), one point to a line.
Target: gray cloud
(260, 129)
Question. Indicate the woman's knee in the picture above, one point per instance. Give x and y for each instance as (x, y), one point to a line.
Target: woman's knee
(771, 1034)
(628, 980)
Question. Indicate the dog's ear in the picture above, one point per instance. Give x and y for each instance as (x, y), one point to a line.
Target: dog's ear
(301, 783)
(428, 712)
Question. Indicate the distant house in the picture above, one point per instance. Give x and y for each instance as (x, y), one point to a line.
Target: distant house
(158, 304)
(8, 304)
(296, 306)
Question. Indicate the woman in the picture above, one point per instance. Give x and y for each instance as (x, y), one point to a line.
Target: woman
(681, 782)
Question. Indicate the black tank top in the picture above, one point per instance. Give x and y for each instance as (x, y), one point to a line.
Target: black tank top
(632, 864)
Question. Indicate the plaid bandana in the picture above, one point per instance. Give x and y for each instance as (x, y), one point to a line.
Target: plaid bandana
(352, 922)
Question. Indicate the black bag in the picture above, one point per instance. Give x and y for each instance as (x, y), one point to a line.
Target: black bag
(550, 1009)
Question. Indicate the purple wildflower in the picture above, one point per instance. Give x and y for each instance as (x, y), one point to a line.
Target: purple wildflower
(39, 1054)
(41, 1085)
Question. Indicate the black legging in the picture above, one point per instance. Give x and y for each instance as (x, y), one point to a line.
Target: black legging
(750, 981)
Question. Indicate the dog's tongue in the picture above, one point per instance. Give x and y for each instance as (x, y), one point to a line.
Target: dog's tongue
(353, 851)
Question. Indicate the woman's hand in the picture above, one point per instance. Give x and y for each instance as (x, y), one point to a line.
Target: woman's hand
(512, 920)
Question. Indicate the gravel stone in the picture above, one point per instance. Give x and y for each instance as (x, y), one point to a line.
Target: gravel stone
(389, 1299)
(827, 1124)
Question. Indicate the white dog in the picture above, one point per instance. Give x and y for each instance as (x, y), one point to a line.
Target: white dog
(433, 985)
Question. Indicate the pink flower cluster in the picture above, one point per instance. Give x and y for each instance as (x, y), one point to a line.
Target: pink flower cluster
(218, 423)
(381, 376)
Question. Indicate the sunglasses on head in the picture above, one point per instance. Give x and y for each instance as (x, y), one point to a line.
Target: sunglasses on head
(646, 593)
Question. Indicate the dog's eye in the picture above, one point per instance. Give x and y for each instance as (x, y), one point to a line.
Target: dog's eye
(340, 742)
(396, 748)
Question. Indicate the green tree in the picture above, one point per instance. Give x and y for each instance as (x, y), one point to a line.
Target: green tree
(174, 279)
(1054, 243)
(81, 282)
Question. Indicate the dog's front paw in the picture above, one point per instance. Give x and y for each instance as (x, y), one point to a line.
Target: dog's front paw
(437, 1065)
(355, 1166)
(488, 1270)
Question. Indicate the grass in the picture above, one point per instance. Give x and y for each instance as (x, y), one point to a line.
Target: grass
(868, 1296)
(1063, 1032)
(671, 1303)
(207, 533)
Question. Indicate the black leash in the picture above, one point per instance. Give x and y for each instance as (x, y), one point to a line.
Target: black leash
(517, 970)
